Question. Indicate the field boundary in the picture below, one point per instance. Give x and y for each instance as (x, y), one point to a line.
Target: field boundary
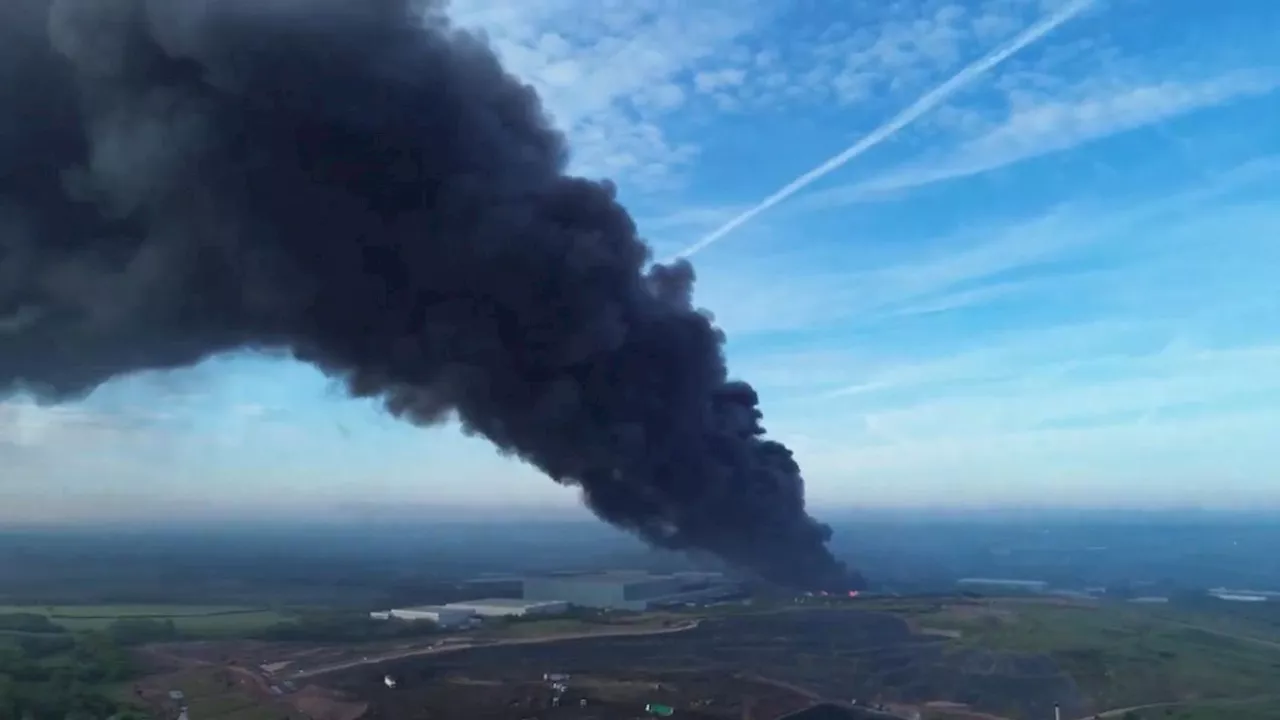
(459, 647)
(158, 616)
(1115, 712)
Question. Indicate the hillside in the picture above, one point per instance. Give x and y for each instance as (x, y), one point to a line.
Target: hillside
(1004, 658)
(1117, 655)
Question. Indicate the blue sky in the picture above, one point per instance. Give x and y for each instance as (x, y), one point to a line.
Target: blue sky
(1051, 283)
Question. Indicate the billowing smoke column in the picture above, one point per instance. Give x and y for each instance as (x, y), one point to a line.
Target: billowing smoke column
(362, 185)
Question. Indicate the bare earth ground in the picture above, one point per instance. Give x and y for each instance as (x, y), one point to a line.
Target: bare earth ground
(962, 661)
(700, 697)
(220, 685)
(712, 677)
(760, 666)
(277, 675)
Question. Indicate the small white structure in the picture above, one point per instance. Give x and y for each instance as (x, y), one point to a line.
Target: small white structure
(1239, 597)
(389, 681)
(508, 607)
(445, 617)
(1232, 592)
(1002, 584)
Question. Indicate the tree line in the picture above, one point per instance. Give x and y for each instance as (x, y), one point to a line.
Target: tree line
(61, 676)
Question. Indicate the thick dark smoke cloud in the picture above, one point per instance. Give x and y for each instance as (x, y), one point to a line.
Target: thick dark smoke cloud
(370, 191)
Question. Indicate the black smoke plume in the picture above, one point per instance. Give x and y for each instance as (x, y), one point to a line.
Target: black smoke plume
(362, 185)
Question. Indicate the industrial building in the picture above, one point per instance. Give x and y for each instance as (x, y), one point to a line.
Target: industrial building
(625, 589)
(1245, 595)
(1002, 585)
(507, 607)
(445, 617)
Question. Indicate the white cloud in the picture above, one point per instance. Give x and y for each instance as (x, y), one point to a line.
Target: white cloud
(892, 49)
(1150, 369)
(795, 290)
(27, 426)
(1039, 125)
(709, 81)
(1223, 461)
(24, 424)
(689, 219)
(631, 83)
(1122, 250)
(903, 119)
(610, 72)
(106, 428)
(1116, 389)
(1022, 356)
(1101, 414)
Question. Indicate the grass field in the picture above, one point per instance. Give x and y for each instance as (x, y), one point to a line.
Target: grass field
(199, 619)
(1120, 655)
(540, 628)
(1267, 708)
(569, 625)
(1260, 621)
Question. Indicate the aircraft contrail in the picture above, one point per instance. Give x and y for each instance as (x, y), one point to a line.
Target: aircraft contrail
(924, 104)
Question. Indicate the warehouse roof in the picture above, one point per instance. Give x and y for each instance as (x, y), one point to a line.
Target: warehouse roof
(607, 576)
(501, 602)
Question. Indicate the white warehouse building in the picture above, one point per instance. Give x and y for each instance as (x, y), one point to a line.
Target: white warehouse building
(445, 617)
(508, 607)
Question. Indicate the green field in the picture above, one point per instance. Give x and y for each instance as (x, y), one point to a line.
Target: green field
(1121, 655)
(1256, 709)
(1259, 621)
(541, 628)
(196, 619)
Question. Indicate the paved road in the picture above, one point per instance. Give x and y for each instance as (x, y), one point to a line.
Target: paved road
(441, 649)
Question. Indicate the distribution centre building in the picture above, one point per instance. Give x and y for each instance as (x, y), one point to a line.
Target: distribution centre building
(445, 617)
(614, 590)
(1001, 584)
(508, 607)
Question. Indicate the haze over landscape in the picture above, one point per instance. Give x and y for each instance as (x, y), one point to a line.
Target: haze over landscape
(353, 365)
(1055, 287)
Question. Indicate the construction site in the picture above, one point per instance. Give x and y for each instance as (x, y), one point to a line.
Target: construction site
(563, 696)
(650, 665)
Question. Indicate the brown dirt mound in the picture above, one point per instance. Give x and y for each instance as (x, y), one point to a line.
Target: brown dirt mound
(321, 704)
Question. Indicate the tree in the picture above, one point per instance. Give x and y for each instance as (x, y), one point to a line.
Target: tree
(32, 688)
(139, 631)
(30, 623)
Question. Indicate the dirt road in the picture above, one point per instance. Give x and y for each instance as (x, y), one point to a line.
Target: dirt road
(1117, 712)
(1224, 634)
(442, 649)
